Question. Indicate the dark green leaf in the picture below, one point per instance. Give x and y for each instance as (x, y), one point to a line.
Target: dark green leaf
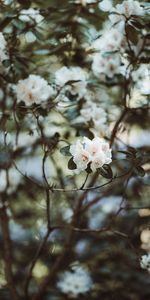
(139, 171)
(65, 151)
(106, 171)
(6, 63)
(71, 164)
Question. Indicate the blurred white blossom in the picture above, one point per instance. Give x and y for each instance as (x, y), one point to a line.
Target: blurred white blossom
(95, 113)
(106, 64)
(110, 40)
(125, 10)
(68, 75)
(105, 5)
(145, 262)
(75, 282)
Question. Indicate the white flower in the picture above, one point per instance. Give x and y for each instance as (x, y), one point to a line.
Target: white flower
(76, 282)
(96, 152)
(106, 64)
(81, 157)
(125, 10)
(145, 262)
(64, 75)
(33, 89)
(99, 151)
(110, 40)
(31, 14)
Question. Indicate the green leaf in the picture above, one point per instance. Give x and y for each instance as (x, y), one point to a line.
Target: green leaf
(106, 171)
(5, 158)
(6, 63)
(139, 171)
(71, 164)
(65, 151)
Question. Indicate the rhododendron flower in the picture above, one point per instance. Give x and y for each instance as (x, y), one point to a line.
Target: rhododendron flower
(33, 89)
(81, 157)
(108, 65)
(95, 152)
(111, 40)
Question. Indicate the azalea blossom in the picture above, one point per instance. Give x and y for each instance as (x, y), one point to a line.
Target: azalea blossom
(66, 75)
(95, 152)
(33, 89)
(76, 282)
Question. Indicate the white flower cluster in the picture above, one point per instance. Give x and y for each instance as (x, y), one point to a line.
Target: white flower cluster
(111, 39)
(141, 78)
(95, 152)
(33, 89)
(95, 113)
(105, 61)
(106, 64)
(145, 262)
(76, 282)
(76, 79)
(31, 15)
(125, 10)
(3, 55)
